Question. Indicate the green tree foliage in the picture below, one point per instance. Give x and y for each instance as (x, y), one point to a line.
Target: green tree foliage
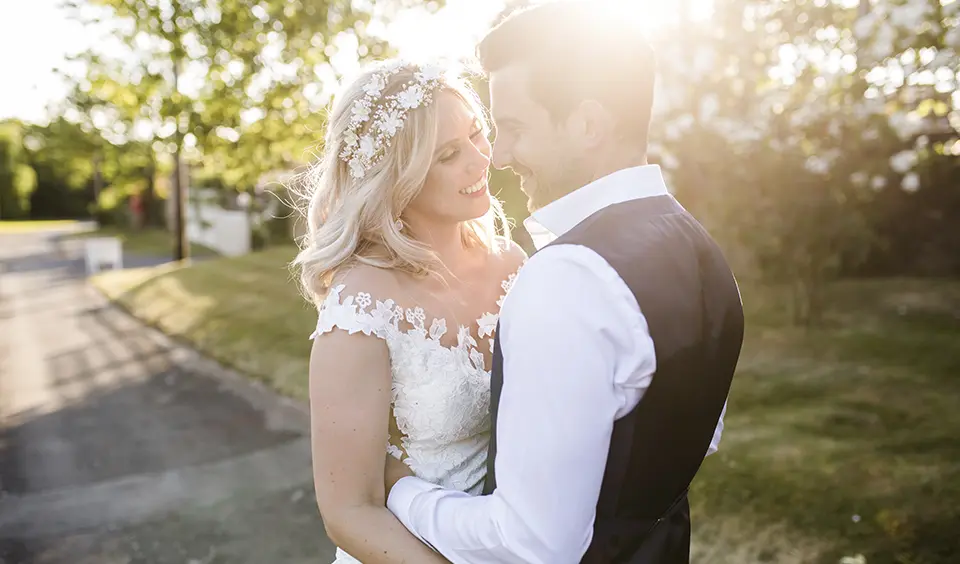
(239, 85)
(782, 123)
(17, 179)
(815, 138)
(63, 157)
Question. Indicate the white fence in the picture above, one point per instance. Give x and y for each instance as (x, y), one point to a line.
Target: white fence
(225, 231)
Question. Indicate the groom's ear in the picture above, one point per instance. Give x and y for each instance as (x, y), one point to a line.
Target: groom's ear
(592, 123)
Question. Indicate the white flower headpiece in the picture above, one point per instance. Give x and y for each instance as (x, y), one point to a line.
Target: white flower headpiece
(362, 152)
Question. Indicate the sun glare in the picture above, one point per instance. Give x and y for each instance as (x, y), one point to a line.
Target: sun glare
(653, 15)
(454, 30)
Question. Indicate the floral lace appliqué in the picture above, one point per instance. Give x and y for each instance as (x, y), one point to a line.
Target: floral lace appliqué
(488, 321)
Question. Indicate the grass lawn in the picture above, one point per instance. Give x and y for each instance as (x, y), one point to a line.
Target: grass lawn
(28, 226)
(245, 311)
(845, 440)
(151, 241)
(840, 441)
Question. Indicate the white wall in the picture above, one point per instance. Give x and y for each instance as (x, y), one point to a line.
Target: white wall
(225, 231)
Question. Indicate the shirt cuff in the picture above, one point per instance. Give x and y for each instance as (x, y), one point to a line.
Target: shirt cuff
(401, 498)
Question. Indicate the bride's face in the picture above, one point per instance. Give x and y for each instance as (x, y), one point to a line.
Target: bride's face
(456, 186)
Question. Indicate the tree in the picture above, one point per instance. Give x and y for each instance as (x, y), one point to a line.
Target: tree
(780, 124)
(17, 180)
(225, 85)
(63, 157)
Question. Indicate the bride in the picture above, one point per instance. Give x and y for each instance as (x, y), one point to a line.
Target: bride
(403, 260)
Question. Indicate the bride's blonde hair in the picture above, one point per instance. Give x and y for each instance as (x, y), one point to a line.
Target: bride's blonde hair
(353, 220)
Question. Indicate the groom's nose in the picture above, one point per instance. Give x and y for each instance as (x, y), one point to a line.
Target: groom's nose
(501, 158)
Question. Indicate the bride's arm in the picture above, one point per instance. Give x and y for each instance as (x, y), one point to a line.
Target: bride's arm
(349, 411)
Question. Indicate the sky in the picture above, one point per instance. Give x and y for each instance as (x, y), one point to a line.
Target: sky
(39, 37)
(32, 42)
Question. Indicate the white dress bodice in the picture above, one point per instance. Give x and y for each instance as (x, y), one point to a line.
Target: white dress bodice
(441, 392)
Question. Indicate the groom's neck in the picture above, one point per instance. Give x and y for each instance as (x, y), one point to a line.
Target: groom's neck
(617, 159)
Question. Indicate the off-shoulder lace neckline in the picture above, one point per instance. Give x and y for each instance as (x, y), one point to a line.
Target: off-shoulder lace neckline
(351, 313)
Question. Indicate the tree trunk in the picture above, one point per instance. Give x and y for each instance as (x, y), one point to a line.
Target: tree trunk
(180, 248)
(97, 178)
(151, 217)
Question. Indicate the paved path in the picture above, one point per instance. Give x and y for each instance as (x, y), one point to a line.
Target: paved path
(119, 446)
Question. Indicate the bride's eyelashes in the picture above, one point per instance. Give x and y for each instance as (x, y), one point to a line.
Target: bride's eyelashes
(453, 154)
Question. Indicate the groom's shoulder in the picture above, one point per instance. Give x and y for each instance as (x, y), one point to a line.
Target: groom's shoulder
(633, 224)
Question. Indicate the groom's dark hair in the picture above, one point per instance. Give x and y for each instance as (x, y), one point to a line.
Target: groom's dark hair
(576, 51)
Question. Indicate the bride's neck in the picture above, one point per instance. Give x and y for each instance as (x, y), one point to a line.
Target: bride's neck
(446, 240)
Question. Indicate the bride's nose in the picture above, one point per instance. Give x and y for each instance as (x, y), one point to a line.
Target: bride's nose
(479, 160)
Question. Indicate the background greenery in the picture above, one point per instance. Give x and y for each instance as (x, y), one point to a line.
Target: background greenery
(816, 139)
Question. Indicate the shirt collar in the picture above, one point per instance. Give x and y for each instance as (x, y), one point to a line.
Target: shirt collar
(560, 216)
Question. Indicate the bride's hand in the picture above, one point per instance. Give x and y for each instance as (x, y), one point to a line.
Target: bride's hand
(393, 472)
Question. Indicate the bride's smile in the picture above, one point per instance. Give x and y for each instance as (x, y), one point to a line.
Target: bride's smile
(475, 188)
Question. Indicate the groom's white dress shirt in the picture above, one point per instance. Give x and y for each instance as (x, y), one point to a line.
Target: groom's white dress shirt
(577, 355)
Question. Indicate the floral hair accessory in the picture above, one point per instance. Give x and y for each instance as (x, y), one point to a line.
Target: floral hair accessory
(362, 152)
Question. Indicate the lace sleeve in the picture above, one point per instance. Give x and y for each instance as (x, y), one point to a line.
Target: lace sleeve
(350, 314)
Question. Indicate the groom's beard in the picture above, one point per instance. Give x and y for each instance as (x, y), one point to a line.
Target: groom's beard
(570, 176)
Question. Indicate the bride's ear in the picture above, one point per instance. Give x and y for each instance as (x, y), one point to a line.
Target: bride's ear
(591, 123)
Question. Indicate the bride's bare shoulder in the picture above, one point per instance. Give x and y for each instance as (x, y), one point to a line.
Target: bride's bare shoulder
(379, 282)
(509, 256)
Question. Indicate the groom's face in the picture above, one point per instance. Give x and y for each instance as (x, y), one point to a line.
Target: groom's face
(528, 141)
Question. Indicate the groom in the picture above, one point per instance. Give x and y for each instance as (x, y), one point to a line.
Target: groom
(618, 341)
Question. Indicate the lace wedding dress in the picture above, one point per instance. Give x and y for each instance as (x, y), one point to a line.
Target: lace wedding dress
(441, 392)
